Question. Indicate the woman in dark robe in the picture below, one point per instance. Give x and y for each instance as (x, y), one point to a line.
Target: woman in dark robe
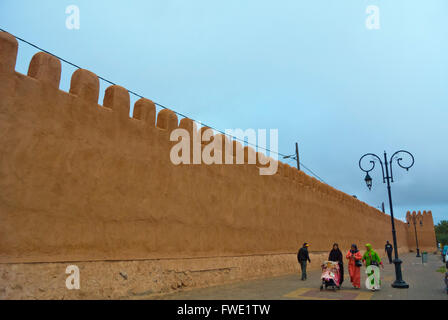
(336, 256)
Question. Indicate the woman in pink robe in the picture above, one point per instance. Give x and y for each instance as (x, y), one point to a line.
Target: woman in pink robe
(353, 270)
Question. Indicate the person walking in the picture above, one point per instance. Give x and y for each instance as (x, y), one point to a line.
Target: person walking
(336, 256)
(371, 258)
(354, 266)
(389, 248)
(303, 257)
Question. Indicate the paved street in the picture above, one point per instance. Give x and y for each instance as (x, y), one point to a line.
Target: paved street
(424, 281)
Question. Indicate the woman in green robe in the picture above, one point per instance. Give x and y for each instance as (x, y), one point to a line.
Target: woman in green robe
(371, 258)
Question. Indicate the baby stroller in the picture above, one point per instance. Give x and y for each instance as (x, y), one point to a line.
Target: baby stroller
(330, 275)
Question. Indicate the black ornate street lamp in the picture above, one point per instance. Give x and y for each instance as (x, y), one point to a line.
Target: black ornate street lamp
(399, 282)
(414, 221)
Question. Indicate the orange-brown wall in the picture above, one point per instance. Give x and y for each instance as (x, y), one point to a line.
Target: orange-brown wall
(424, 225)
(80, 182)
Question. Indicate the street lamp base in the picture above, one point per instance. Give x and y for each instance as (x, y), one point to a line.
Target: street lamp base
(400, 284)
(418, 253)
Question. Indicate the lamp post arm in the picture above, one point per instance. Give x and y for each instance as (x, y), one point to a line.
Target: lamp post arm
(399, 162)
(373, 164)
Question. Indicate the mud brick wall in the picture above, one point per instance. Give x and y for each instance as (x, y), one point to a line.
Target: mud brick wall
(81, 181)
(425, 231)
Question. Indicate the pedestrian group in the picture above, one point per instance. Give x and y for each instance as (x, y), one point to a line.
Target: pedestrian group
(355, 261)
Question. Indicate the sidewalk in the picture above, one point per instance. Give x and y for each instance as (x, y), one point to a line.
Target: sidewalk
(423, 279)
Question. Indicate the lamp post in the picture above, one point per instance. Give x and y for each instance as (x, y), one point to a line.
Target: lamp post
(388, 178)
(414, 221)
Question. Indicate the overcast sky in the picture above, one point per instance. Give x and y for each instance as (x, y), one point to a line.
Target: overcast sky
(311, 69)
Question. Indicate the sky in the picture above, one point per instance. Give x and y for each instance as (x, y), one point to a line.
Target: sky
(311, 69)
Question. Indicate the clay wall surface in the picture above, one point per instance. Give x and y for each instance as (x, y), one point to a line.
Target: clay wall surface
(81, 181)
(425, 231)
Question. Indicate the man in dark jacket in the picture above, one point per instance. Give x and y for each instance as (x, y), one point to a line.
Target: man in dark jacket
(389, 248)
(303, 257)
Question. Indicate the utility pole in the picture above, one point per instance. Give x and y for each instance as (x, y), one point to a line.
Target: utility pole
(382, 207)
(297, 156)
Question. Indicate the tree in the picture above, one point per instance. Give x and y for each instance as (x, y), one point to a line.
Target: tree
(442, 232)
